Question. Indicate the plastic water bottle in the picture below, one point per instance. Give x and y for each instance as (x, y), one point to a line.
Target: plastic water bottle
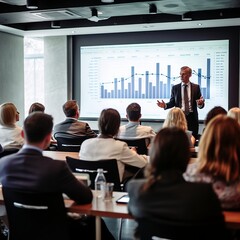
(99, 180)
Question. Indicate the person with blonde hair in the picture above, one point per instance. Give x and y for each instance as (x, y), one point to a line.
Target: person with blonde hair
(10, 133)
(219, 160)
(234, 113)
(176, 118)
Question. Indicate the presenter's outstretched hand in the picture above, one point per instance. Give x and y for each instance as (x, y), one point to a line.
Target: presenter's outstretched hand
(161, 104)
(200, 101)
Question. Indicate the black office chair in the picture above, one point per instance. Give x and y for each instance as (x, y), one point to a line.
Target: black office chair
(33, 215)
(149, 229)
(68, 142)
(140, 144)
(8, 151)
(90, 167)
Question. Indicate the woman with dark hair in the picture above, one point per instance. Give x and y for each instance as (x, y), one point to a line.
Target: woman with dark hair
(106, 147)
(178, 209)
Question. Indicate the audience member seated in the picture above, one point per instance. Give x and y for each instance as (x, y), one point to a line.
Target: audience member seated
(176, 118)
(29, 170)
(178, 209)
(36, 107)
(234, 113)
(10, 133)
(106, 147)
(133, 130)
(213, 113)
(72, 125)
(219, 160)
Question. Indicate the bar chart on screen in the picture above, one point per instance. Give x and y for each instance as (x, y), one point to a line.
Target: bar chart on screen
(146, 72)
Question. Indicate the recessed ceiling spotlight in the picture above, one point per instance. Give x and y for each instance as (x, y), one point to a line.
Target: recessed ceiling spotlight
(107, 1)
(32, 4)
(199, 24)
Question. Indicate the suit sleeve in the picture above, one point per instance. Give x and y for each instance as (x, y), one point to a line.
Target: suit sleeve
(73, 188)
(89, 131)
(172, 102)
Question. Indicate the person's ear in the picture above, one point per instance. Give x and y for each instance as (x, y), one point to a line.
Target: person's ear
(22, 134)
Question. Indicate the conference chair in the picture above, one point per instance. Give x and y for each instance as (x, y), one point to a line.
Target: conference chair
(33, 215)
(68, 142)
(8, 151)
(90, 167)
(139, 144)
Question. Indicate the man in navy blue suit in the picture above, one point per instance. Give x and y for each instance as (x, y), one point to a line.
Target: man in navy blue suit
(188, 102)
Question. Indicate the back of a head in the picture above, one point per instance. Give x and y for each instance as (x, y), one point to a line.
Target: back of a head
(134, 111)
(109, 122)
(219, 148)
(169, 151)
(36, 107)
(37, 126)
(8, 113)
(70, 108)
(175, 118)
(234, 113)
(213, 113)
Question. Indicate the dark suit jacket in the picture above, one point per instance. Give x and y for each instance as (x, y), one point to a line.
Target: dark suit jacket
(173, 200)
(176, 97)
(74, 127)
(30, 170)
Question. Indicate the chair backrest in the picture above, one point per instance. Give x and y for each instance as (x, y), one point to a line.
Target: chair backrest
(140, 144)
(109, 166)
(149, 229)
(33, 215)
(68, 142)
(8, 151)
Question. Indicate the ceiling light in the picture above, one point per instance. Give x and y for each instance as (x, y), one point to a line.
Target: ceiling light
(55, 24)
(32, 4)
(152, 8)
(107, 1)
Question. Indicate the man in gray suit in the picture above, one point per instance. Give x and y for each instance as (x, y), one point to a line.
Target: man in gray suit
(72, 125)
(188, 102)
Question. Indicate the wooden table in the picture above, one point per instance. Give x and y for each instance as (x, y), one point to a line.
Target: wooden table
(58, 155)
(100, 208)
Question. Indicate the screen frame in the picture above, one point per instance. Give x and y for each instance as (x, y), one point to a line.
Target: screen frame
(225, 33)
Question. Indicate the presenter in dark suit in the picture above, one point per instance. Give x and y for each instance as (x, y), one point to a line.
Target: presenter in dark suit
(188, 103)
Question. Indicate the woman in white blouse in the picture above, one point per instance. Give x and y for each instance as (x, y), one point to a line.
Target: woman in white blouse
(106, 147)
(10, 133)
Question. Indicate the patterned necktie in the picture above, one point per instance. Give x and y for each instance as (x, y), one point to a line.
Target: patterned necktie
(186, 100)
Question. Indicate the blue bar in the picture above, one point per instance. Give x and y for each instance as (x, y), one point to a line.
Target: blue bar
(139, 87)
(119, 94)
(161, 90)
(132, 77)
(147, 83)
(129, 90)
(199, 76)
(204, 92)
(168, 81)
(157, 79)
(122, 87)
(102, 91)
(150, 90)
(136, 94)
(164, 90)
(125, 93)
(108, 95)
(115, 87)
(154, 92)
(105, 93)
(208, 77)
(112, 93)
